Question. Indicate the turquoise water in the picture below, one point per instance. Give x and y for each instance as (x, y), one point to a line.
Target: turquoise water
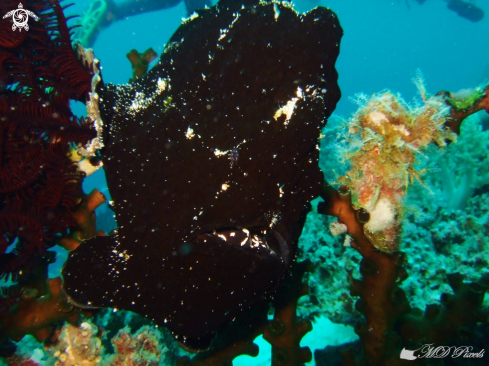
(384, 43)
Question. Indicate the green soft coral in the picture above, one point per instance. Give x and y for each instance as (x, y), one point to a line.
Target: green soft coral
(465, 99)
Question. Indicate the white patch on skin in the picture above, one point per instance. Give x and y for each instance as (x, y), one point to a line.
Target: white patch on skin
(190, 133)
(192, 16)
(276, 11)
(218, 152)
(140, 102)
(222, 237)
(161, 85)
(288, 109)
(223, 34)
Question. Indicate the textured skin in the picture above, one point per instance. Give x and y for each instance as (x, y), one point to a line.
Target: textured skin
(210, 189)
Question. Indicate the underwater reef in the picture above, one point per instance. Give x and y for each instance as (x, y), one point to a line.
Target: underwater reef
(212, 161)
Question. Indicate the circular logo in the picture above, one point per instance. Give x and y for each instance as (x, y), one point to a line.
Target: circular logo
(20, 18)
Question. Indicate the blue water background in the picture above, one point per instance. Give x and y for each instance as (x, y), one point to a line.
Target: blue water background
(384, 42)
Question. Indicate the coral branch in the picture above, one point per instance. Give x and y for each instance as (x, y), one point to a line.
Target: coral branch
(381, 301)
(84, 215)
(140, 62)
(285, 331)
(223, 357)
(450, 319)
(40, 303)
(35, 316)
(233, 340)
(461, 108)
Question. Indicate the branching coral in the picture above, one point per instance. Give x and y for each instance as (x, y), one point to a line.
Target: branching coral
(382, 301)
(40, 302)
(285, 331)
(84, 215)
(453, 318)
(389, 320)
(36, 315)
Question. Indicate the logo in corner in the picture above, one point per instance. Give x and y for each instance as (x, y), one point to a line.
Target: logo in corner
(20, 17)
(407, 355)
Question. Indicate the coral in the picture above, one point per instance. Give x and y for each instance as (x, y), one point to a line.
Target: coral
(77, 345)
(465, 106)
(84, 215)
(140, 349)
(19, 361)
(328, 282)
(460, 170)
(465, 99)
(35, 315)
(385, 139)
(381, 301)
(36, 303)
(452, 319)
(140, 62)
(445, 232)
(390, 322)
(285, 331)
